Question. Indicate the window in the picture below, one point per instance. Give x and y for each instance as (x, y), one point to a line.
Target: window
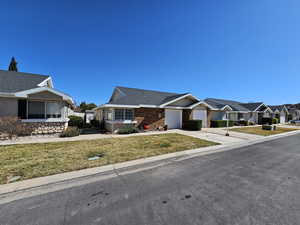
(108, 114)
(36, 110)
(119, 114)
(53, 110)
(240, 116)
(43, 110)
(128, 114)
(123, 114)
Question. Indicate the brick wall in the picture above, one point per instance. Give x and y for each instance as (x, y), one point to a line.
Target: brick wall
(155, 118)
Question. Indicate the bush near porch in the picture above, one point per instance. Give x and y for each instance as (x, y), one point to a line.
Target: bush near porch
(192, 125)
(221, 123)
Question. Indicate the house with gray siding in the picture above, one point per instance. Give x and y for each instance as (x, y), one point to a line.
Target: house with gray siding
(238, 111)
(33, 99)
(280, 112)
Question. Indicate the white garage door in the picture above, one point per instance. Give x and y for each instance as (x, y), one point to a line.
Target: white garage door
(200, 114)
(282, 119)
(173, 118)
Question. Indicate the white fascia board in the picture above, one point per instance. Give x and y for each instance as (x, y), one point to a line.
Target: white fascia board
(175, 107)
(285, 108)
(268, 109)
(118, 106)
(148, 106)
(24, 94)
(227, 106)
(263, 104)
(43, 83)
(201, 103)
(179, 98)
(239, 112)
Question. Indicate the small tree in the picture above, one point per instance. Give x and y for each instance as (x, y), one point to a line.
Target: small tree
(84, 106)
(13, 65)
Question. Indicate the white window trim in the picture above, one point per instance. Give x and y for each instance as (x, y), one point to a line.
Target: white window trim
(113, 114)
(62, 113)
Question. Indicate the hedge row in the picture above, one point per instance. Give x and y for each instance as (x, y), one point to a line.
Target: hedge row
(221, 123)
(192, 125)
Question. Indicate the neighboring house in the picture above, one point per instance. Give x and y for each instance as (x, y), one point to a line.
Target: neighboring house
(280, 112)
(238, 111)
(155, 109)
(294, 113)
(89, 115)
(33, 99)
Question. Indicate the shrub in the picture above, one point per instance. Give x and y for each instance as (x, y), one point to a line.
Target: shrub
(12, 126)
(221, 123)
(128, 130)
(75, 121)
(275, 121)
(95, 123)
(268, 127)
(266, 121)
(243, 123)
(70, 132)
(192, 125)
(251, 123)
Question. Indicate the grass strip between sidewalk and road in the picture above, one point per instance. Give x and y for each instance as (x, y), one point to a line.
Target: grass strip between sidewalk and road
(43, 159)
(259, 131)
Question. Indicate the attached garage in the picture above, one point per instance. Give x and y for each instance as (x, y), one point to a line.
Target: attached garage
(282, 117)
(173, 118)
(200, 114)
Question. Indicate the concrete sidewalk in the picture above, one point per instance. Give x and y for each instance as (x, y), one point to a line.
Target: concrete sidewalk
(47, 139)
(112, 169)
(209, 134)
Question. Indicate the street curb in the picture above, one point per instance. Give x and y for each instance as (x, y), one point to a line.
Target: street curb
(69, 176)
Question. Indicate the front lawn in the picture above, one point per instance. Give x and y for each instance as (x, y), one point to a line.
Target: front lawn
(36, 160)
(259, 131)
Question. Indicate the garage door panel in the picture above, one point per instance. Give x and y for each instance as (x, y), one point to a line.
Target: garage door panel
(200, 114)
(173, 118)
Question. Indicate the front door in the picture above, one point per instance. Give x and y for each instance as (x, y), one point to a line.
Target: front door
(22, 109)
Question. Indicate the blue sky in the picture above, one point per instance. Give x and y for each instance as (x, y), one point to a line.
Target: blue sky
(242, 50)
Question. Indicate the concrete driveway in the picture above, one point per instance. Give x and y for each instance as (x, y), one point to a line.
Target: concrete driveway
(258, 184)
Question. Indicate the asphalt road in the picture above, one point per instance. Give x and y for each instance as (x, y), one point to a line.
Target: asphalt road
(254, 185)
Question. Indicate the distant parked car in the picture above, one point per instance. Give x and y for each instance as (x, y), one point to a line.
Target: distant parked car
(295, 121)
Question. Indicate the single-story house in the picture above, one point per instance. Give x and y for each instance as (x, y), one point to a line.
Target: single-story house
(238, 111)
(153, 109)
(33, 99)
(294, 113)
(280, 112)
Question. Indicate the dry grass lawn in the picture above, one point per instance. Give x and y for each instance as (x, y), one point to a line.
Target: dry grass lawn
(36, 160)
(260, 131)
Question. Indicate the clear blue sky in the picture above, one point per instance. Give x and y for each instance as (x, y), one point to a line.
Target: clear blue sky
(242, 50)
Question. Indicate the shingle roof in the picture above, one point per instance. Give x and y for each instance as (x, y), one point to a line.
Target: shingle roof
(11, 82)
(135, 96)
(274, 107)
(252, 106)
(220, 103)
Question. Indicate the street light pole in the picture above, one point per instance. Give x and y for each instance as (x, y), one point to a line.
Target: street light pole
(227, 131)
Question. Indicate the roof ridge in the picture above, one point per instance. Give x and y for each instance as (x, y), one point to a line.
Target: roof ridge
(140, 89)
(17, 72)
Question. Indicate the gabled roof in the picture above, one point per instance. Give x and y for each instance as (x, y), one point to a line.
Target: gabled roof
(221, 103)
(135, 96)
(11, 82)
(253, 106)
(277, 107)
